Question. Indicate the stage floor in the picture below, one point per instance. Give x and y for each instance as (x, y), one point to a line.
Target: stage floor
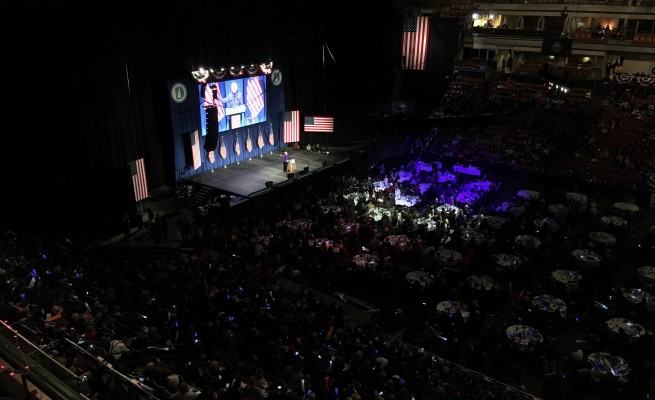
(249, 177)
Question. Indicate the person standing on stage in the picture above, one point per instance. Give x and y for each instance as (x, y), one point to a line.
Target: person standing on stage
(285, 161)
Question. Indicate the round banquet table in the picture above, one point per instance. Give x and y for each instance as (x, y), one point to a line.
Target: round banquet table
(332, 209)
(420, 277)
(603, 238)
(548, 303)
(558, 209)
(366, 260)
(647, 273)
(626, 327)
(627, 208)
(508, 262)
(523, 335)
(482, 282)
(452, 308)
(528, 194)
(397, 240)
(528, 242)
(320, 242)
(613, 221)
(586, 257)
(472, 234)
(448, 258)
(467, 197)
(546, 223)
(607, 364)
(635, 295)
(495, 221)
(578, 199)
(569, 278)
(296, 224)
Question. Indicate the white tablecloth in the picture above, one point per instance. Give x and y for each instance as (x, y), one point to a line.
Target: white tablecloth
(546, 223)
(627, 208)
(528, 194)
(471, 234)
(613, 220)
(647, 273)
(380, 186)
(528, 242)
(423, 166)
(495, 221)
(578, 199)
(467, 197)
(483, 282)
(508, 262)
(366, 260)
(452, 308)
(603, 238)
(550, 304)
(405, 176)
(299, 224)
(446, 176)
(607, 364)
(558, 209)
(448, 257)
(626, 327)
(398, 240)
(420, 277)
(524, 335)
(586, 257)
(566, 277)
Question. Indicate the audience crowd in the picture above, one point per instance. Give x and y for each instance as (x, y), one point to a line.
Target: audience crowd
(254, 308)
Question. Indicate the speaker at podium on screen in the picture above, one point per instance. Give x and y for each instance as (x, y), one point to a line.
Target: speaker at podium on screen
(236, 115)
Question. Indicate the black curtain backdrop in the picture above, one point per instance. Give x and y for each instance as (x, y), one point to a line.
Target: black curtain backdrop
(90, 91)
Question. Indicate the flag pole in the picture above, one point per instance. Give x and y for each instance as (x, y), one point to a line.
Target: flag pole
(324, 90)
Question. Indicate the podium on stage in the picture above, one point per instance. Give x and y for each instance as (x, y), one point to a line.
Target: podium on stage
(236, 115)
(291, 166)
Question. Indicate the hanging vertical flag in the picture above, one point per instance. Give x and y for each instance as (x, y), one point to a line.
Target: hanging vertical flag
(195, 150)
(248, 142)
(254, 96)
(237, 145)
(271, 136)
(260, 138)
(415, 42)
(223, 149)
(319, 124)
(138, 172)
(291, 126)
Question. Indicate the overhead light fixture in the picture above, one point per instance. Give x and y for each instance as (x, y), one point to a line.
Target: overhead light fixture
(203, 75)
(220, 73)
(266, 67)
(200, 75)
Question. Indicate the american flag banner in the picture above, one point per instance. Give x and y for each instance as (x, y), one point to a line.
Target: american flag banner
(248, 142)
(415, 42)
(237, 145)
(139, 182)
(222, 151)
(291, 126)
(195, 150)
(212, 94)
(271, 136)
(254, 96)
(319, 124)
(260, 138)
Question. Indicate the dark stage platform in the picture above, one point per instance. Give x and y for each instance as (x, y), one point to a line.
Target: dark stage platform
(249, 178)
